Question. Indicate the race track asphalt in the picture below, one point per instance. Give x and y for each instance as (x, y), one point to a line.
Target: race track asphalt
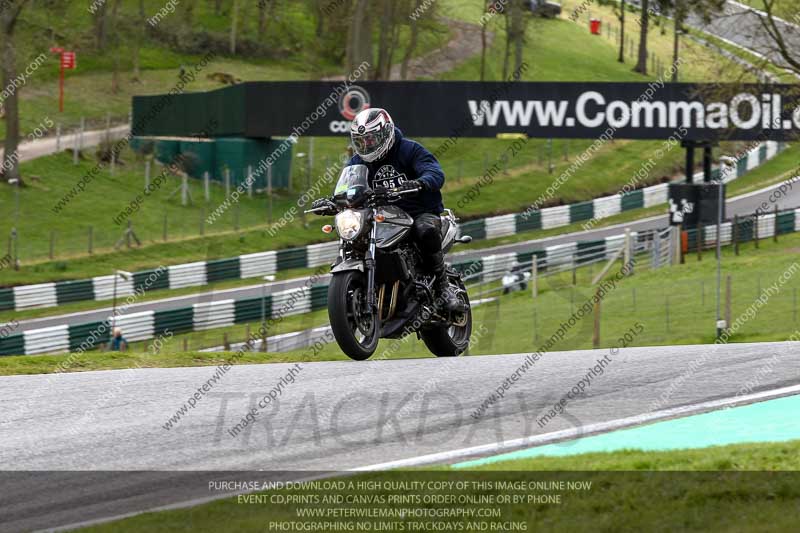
(740, 25)
(335, 415)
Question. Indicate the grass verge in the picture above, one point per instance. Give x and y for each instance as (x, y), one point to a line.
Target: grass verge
(711, 489)
(674, 306)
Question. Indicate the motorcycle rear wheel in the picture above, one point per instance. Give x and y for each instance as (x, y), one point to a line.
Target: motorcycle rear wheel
(355, 329)
(452, 341)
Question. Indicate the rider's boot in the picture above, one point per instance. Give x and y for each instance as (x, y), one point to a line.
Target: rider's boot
(445, 296)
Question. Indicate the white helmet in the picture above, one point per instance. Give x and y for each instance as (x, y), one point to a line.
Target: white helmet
(372, 133)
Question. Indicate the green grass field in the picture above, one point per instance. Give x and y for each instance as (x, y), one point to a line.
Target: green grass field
(711, 489)
(294, 53)
(589, 57)
(526, 177)
(675, 306)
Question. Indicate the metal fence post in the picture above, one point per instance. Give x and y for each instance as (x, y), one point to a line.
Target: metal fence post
(755, 228)
(75, 148)
(699, 241)
(147, 173)
(535, 276)
(269, 193)
(728, 300)
(596, 333)
(775, 232)
(207, 185)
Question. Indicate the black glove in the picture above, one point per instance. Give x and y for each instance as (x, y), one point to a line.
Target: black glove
(324, 206)
(412, 185)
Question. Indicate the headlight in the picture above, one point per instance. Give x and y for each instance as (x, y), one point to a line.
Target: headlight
(348, 224)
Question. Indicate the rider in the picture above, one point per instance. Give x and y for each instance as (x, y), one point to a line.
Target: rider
(395, 162)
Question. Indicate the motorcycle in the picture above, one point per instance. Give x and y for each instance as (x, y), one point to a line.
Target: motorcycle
(378, 287)
(516, 279)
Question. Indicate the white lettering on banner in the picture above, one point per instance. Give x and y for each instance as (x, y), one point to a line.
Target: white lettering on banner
(745, 111)
(339, 126)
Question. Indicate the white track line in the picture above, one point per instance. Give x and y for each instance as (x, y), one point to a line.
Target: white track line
(444, 457)
(591, 429)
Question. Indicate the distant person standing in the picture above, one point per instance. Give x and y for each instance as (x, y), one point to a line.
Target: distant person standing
(118, 342)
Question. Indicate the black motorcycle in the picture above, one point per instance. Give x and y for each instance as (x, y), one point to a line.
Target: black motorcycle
(378, 288)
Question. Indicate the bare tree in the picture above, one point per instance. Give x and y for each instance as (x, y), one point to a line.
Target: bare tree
(784, 39)
(138, 39)
(359, 36)
(519, 19)
(507, 51)
(384, 36)
(8, 21)
(484, 23)
(234, 26)
(266, 12)
(621, 16)
(412, 43)
(99, 22)
(680, 11)
(117, 42)
(641, 64)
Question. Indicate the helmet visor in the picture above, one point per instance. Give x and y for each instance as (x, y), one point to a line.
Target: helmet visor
(370, 142)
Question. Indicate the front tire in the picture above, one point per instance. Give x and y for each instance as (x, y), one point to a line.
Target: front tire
(451, 341)
(356, 330)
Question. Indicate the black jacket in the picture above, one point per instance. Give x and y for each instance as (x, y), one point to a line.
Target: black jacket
(408, 160)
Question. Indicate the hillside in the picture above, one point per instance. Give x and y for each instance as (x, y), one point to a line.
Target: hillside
(557, 50)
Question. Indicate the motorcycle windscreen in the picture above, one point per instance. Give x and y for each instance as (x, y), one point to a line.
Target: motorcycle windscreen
(352, 184)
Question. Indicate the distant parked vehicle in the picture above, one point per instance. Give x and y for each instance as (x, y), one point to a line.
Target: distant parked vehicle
(516, 279)
(545, 8)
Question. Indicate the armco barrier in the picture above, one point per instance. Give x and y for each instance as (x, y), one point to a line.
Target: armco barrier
(150, 324)
(265, 263)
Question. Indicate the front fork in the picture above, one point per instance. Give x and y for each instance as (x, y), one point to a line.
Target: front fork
(369, 261)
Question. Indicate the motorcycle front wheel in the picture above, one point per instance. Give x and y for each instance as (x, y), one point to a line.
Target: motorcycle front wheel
(355, 328)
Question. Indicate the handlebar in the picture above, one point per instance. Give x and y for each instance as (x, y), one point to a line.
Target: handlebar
(390, 194)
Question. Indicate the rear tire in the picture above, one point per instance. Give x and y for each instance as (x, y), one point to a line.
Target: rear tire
(356, 333)
(451, 341)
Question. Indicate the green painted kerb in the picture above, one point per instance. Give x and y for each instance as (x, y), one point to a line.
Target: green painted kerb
(770, 421)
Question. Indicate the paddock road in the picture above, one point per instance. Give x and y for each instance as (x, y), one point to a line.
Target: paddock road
(330, 415)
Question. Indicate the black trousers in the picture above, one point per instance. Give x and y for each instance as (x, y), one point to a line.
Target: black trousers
(428, 234)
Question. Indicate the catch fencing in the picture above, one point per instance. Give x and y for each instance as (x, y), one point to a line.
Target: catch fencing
(260, 264)
(147, 325)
